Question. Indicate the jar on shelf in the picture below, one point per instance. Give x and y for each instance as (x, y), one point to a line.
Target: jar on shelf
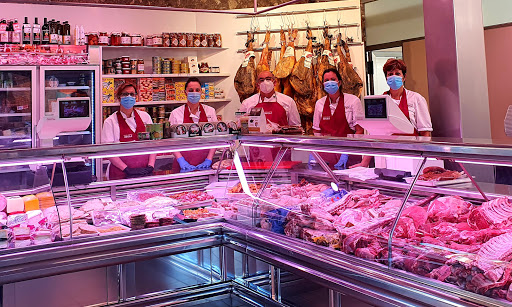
(203, 68)
(115, 39)
(218, 40)
(92, 39)
(103, 39)
(166, 37)
(190, 39)
(197, 40)
(149, 41)
(175, 40)
(126, 39)
(140, 66)
(133, 66)
(183, 40)
(157, 41)
(136, 40)
(204, 40)
(211, 40)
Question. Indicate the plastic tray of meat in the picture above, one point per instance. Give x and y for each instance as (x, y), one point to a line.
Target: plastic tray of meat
(192, 198)
(438, 183)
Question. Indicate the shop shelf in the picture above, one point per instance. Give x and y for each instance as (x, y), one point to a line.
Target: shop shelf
(165, 48)
(61, 88)
(15, 89)
(209, 75)
(15, 114)
(150, 103)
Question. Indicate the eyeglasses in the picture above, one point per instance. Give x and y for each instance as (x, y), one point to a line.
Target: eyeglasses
(128, 94)
(260, 80)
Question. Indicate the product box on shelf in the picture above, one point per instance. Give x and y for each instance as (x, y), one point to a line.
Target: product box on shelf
(108, 93)
(170, 91)
(193, 68)
(159, 89)
(145, 89)
(180, 91)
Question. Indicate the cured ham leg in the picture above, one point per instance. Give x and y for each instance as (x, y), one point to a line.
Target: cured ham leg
(303, 81)
(279, 86)
(245, 79)
(285, 66)
(352, 83)
(266, 56)
(326, 61)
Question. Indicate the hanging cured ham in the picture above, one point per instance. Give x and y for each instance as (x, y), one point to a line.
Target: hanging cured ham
(302, 79)
(285, 65)
(266, 56)
(326, 61)
(245, 79)
(279, 86)
(352, 83)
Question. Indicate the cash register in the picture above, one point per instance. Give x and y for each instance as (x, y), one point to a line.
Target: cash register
(69, 114)
(382, 116)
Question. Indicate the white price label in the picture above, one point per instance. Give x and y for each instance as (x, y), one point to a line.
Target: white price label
(290, 51)
(248, 56)
(308, 59)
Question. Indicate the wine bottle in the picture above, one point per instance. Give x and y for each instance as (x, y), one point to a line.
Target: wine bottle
(66, 33)
(17, 32)
(36, 32)
(45, 32)
(27, 32)
(54, 36)
(4, 35)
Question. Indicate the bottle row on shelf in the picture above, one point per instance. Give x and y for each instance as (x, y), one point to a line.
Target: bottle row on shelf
(165, 39)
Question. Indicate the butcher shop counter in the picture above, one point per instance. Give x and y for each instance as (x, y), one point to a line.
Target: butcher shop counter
(246, 254)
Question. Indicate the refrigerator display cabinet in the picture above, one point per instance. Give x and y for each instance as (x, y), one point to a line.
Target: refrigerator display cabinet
(17, 106)
(235, 259)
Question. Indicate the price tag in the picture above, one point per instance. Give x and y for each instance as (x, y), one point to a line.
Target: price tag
(248, 56)
(308, 59)
(290, 51)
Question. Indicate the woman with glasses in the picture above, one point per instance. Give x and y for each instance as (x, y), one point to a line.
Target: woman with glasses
(124, 126)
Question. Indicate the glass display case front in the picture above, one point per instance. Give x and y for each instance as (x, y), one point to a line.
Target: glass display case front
(16, 100)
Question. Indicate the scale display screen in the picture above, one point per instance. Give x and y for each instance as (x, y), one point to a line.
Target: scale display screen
(375, 108)
(74, 108)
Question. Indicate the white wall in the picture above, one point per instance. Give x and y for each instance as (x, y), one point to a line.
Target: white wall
(393, 20)
(496, 12)
(151, 22)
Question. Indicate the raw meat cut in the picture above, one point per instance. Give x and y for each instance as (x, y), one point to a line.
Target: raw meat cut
(448, 209)
(245, 79)
(435, 173)
(498, 248)
(490, 213)
(266, 56)
(417, 214)
(352, 83)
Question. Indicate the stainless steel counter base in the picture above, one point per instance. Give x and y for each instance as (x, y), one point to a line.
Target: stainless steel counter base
(224, 269)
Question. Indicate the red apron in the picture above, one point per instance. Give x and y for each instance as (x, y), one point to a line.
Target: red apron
(193, 157)
(336, 125)
(405, 109)
(274, 112)
(127, 135)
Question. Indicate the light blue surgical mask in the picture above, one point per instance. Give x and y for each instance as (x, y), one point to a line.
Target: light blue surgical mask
(128, 102)
(395, 82)
(193, 97)
(331, 87)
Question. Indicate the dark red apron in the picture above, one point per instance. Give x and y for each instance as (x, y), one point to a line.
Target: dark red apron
(336, 125)
(127, 135)
(274, 112)
(194, 157)
(405, 109)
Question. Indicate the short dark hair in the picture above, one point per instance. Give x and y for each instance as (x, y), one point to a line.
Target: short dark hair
(393, 64)
(124, 86)
(192, 79)
(335, 71)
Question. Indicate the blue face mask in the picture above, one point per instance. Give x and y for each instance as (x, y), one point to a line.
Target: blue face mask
(193, 97)
(395, 82)
(331, 87)
(128, 102)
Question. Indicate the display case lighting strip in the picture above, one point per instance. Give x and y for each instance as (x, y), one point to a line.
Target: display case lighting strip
(27, 162)
(149, 152)
(361, 153)
(259, 145)
(484, 163)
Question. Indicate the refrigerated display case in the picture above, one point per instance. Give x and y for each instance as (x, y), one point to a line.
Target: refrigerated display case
(17, 98)
(237, 256)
